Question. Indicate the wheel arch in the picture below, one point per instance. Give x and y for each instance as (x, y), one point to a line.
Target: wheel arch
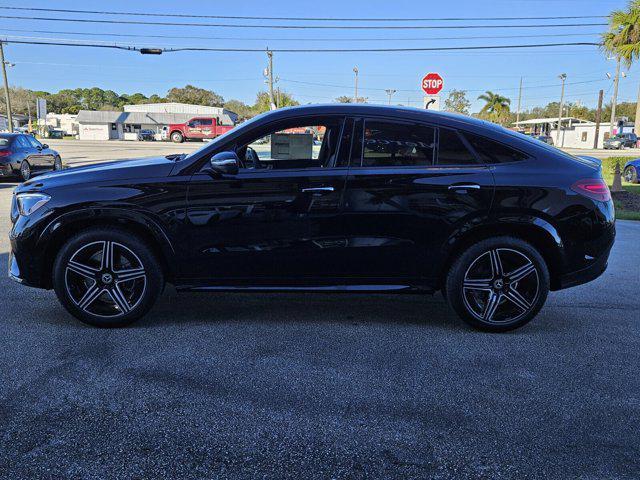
(534, 230)
(65, 226)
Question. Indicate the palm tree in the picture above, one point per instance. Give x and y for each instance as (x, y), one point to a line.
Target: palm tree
(623, 40)
(496, 107)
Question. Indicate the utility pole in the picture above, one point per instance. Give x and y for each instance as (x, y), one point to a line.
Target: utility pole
(598, 118)
(390, 92)
(614, 100)
(355, 98)
(562, 77)
(270, 79)
(6, 89)
(519, 101)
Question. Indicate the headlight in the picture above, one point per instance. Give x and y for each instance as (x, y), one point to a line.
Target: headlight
(30, 202)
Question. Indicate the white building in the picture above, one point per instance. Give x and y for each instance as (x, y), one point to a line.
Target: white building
(574, 133)
(63, 121)
(173, 107)
(112, 125)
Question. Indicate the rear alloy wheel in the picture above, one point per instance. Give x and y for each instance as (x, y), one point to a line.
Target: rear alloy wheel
(498, 284)
(107, 277)
(57, 163)
(25, 171)
(631, 174)
(176, 137)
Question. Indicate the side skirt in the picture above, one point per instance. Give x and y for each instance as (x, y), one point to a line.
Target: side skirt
(308, 288)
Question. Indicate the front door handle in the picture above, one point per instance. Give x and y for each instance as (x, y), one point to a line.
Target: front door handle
(318, 190)
(464, 186)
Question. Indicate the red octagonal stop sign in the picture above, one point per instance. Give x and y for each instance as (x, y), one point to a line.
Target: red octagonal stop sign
(432, 83)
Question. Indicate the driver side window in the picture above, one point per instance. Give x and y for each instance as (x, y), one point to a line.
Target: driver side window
(303, 143)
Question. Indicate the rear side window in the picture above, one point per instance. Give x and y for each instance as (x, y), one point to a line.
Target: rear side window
(452, 150)
(388, 144)
(493, 152)
(21, 142)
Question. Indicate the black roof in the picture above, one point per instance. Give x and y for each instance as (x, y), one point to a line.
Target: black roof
(444, 118)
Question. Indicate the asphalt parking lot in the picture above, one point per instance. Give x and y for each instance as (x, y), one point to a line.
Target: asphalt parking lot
(323, 386)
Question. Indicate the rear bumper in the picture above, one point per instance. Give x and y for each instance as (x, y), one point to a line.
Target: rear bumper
(585, 275)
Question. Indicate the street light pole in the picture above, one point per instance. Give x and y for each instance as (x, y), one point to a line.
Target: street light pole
(6, 89)
(562, 77)
(355, 98)
(614, 100)
(390, 92)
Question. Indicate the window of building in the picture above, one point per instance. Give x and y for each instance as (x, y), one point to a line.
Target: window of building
(452, 150)
(388, 144)
(493, 152)
(584, 136)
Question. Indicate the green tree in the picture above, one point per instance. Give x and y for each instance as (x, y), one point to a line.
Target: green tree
(242, 109)
(195, 96)
(457, 102)
(263, 103)
(496, 108)
(623, 40)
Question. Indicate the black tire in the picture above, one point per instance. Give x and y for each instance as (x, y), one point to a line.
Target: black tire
(467, 289)
(25, 171)
(177, 137)
(631, 174)
(57, 163)
(133, 288)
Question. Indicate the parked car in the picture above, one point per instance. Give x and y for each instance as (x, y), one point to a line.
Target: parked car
(23, 156)
(395, 200)
(198, 128)
(620, 141)
(631, 169)
(147, 135)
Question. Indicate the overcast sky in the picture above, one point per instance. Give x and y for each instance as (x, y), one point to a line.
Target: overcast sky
(239, 75)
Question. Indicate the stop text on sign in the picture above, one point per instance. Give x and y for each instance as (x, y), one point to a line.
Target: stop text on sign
(432, 83)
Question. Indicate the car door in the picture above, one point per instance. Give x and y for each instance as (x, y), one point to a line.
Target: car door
(27, 151)
(276, 222)
(206, 127)
(194, 128)
(41, 157)
(410, 186)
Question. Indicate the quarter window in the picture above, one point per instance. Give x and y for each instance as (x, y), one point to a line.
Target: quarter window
(493, 152)
(389, 144)
(452, 150)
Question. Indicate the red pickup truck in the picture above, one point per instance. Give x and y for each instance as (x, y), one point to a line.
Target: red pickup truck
(197, 127)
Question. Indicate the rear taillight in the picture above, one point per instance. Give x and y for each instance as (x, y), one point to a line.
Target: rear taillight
(595, 188)
(5, 153)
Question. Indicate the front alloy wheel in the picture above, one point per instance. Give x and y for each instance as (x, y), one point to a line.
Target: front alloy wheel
(107, 277)
(631, 174)
(498, 284)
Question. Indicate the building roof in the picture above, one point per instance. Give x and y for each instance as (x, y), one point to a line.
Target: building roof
(146, 118)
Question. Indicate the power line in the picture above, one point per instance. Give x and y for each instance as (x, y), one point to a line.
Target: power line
(302, 27)
(302, 50)
(305, 19)
(316, 39)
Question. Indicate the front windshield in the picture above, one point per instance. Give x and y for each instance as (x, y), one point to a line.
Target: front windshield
(224, 136)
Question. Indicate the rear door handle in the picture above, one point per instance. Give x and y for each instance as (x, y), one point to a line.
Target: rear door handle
(317, 190)
(465, 186)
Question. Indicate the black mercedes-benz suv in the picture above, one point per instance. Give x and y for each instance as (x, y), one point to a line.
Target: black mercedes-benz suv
(346, 198)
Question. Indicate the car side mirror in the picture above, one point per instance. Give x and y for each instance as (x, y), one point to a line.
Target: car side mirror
(45, 146)
(224, 163)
